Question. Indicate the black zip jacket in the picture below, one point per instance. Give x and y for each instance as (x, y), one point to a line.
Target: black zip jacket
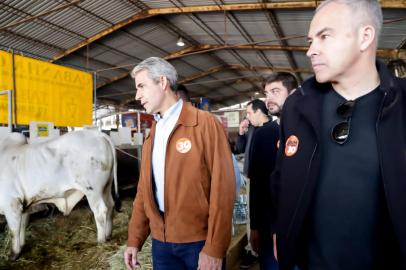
(294, 178)
(263, 157)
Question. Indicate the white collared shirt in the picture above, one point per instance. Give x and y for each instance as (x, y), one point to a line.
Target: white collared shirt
(164, 127)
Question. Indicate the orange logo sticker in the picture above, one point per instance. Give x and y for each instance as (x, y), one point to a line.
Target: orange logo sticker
(292, 144)
(183, 145)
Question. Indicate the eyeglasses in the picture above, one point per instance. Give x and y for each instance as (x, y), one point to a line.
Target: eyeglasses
(341, 131)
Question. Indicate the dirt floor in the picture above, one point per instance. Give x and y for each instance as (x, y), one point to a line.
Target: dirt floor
(59, 242)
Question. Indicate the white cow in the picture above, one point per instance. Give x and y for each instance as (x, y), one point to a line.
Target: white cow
(60, 171)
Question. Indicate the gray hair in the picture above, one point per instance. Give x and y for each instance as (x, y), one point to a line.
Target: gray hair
(156, 68)
(362, 9)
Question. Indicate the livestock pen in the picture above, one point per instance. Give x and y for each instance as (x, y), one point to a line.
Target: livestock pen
(69, 242)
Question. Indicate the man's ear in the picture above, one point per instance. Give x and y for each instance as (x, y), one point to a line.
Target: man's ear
(367, 37)
(163, 82)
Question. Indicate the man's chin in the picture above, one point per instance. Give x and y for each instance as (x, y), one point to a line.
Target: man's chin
(320, 78)
(274, 111)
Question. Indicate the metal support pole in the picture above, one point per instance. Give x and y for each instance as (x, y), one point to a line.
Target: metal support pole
(8, 93)
(14, 101)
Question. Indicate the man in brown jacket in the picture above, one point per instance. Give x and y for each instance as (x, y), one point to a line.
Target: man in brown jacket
(186, 190)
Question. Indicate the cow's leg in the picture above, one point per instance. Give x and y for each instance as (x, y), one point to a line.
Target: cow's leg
(23, 226)
(100, 212)
(108, 199)
(14, 218)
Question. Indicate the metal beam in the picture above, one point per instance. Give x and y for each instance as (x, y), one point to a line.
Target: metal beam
(214, 8)
(240, 67)
(279, 34)
(382, 53)
(218, 38)
(114, 79)
(259, 6)
(43, 14)
(139, 16)
(179, 10)
(204, 48)
(400, 4)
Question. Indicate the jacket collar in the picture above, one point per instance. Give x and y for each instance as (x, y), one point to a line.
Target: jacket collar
(388, 85)
(387, 80)
(309, 105)
(311, 92)
(188, 115)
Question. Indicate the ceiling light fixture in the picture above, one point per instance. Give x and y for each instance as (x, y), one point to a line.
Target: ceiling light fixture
(180, 42)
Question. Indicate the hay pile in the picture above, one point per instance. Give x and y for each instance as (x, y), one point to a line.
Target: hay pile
(116, 261)
(60, 242)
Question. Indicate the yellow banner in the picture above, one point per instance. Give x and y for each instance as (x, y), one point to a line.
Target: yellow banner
(46, 92)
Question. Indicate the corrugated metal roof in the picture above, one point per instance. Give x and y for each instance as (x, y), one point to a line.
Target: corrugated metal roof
(191, 28)
(252, 57)
(50, 35)
(393, 33)
(158, 3)
(227, 57)
(302, 60)
(278, 58)
(185, 69)
(202, 61)
(256, 24)
(294, 23)
(222, 27)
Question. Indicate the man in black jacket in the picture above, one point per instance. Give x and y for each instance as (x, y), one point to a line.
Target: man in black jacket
(339, 181)
(257, 116)
(277, 88)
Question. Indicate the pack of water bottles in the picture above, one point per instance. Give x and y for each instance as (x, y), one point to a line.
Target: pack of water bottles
(240, 214)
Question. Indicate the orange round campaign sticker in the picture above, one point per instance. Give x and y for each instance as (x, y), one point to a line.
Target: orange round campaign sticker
(291, 146)
(183, 145)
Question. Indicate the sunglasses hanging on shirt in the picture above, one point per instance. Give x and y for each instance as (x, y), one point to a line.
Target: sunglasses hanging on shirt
(341, 131)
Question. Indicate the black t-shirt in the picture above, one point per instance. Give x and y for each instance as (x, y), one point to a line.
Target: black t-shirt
(349, 227)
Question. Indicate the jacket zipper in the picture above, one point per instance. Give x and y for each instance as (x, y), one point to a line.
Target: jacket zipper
(303, 189)
(379, 151)
(166, 151)
(153, 202)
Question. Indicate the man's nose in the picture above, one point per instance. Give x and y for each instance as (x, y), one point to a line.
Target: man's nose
(312, 50)
(269, 98)
(137, 95)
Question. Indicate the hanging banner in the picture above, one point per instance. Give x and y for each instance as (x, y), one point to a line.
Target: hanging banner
(46, 92)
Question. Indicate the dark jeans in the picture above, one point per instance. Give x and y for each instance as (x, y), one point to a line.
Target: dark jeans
(265, 255)
(175, 256)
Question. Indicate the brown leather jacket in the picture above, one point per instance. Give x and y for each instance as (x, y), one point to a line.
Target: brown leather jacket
(199, 187)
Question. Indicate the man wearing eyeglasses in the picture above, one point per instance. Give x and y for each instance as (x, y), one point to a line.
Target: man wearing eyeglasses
(340, 177)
